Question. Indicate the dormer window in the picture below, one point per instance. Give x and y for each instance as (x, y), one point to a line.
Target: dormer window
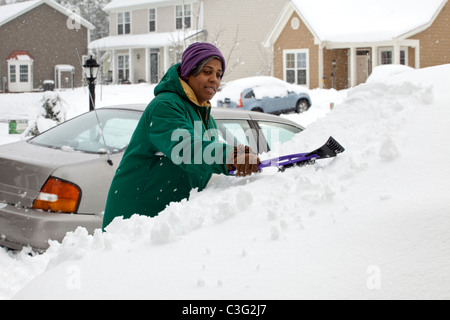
(20, 71)
(183, 17)
(124, 23)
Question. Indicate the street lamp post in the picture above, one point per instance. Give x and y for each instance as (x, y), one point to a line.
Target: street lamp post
(91, 68)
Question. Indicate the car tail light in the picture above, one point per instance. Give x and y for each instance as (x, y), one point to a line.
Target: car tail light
(241, 104)
(58, 196)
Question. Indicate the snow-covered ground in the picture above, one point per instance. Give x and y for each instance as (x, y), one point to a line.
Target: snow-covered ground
(370, 224)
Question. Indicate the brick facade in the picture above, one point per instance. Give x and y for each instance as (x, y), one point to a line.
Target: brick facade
(43, 32)
(291, 39)
(435, 41)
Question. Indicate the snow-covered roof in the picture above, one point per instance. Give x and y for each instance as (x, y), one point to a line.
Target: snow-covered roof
(64, 67)
(12, 11)
(119, 4)
(20, 56)
(148, 40)
(363, 20)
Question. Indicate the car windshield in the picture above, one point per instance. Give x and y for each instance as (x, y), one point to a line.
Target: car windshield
(84, 132)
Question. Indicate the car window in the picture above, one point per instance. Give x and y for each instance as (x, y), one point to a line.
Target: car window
(277, 133)
(250, 95)
(84, 132)
(236, 132)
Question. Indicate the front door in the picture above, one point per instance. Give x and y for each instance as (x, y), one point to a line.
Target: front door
(362, 66)
(154, 66)
(124, 68)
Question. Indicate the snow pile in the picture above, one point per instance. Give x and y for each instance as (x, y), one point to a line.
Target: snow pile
(323, 101)
(370, 224)
(381, 73)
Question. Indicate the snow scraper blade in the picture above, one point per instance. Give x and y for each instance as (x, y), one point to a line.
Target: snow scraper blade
(329, 150)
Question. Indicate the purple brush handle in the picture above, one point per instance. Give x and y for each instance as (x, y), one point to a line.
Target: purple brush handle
(284, 161)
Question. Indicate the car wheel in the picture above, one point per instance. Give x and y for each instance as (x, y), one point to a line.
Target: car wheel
(302, 106)
(258, 110)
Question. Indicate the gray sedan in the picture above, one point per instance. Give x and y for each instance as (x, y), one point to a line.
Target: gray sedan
(59, 180)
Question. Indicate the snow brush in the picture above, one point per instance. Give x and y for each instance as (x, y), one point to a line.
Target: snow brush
(329, 150)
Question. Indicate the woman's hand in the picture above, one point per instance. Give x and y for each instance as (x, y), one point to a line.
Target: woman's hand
(244, 161)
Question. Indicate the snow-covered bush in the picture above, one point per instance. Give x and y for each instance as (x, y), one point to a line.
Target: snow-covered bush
(53, 113)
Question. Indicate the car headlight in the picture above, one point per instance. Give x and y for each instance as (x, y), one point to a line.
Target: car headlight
(58, 196)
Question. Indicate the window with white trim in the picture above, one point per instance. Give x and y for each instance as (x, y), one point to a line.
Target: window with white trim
(124, 23)
(12, 74)
(23, 73)
(20, 74)
(403, 57)
(152, 20)
(183, 17)
(387, 56)
(296, 66)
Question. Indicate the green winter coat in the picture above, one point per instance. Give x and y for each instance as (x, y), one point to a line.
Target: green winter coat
(169, 153)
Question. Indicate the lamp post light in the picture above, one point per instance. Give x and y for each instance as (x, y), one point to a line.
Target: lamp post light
(91, 68)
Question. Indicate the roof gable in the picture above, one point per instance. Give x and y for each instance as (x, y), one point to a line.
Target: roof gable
(356, 21)
(13, 11)
(21, 56)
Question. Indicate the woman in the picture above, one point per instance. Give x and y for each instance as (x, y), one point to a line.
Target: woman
(171, 150)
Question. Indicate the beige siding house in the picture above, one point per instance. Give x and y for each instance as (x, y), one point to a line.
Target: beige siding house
(148, 36)
(39, 41)
(326, 43)
(239, 29)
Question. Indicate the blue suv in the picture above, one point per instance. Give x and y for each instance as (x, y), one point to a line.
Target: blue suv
(268, 95)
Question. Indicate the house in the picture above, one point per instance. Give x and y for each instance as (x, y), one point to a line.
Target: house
(41, 41)
(148, 36)
(328, 43)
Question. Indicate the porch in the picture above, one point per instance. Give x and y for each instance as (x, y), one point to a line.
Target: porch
(140, 58)
(346, 65)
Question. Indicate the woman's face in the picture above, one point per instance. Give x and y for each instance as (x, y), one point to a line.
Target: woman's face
(206, 84)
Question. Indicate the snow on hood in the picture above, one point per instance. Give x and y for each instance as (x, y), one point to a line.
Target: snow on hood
(370, 224)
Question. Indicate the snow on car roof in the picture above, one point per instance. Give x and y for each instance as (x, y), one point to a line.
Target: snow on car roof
(264, 86)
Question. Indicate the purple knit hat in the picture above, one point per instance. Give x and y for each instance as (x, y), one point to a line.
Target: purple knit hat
(195, 54)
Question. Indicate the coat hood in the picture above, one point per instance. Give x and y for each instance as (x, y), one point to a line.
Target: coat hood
(171, 83)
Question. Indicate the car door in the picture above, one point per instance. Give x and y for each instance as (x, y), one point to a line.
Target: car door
(277, 100)
(276, 133)
(236, 132)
